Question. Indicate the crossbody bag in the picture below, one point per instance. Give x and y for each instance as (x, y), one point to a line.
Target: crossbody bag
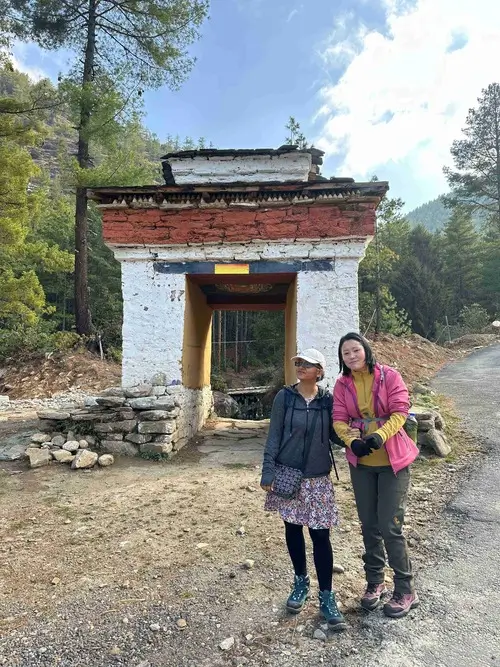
(287, 480)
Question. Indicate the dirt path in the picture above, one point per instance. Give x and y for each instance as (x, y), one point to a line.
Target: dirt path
(142, 563)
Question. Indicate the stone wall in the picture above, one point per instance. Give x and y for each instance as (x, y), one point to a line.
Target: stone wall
(149, 419)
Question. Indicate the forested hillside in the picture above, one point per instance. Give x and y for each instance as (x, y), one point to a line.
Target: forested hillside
(433, 215)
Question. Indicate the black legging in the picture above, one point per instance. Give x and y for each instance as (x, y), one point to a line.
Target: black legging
(322, 552)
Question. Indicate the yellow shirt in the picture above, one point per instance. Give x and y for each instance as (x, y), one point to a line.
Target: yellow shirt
(363, 381)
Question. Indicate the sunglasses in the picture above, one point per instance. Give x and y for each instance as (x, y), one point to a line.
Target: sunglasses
(305, 364)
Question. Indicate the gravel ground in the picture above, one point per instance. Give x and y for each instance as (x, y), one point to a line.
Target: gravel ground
(142, 564)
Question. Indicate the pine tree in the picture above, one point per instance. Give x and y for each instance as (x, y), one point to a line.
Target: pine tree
(134, 45)
(475, 182)
(462, 263)
(418, 284)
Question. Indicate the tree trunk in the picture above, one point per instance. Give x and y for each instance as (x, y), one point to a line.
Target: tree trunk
(82, 307)
(378, 304)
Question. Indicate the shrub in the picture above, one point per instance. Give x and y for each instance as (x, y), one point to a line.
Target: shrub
(218, 383)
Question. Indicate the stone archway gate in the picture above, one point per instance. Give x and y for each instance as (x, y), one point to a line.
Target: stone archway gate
(234, 229)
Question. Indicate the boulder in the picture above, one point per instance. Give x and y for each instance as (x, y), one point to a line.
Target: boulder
(439, 421)
(71, 446)
(225, 405)
(62, 456)
(58, 440)
(435, 440)
(139, 391)
(38, 457)
(40, 438)
(106, 460)
(425, 424)
(84, 459)
(119, 448)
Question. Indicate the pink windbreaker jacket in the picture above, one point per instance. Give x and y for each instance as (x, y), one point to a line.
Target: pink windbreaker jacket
(390, 395)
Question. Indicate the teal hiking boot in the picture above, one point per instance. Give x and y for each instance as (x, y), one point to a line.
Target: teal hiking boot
(328, 607)
(299, 594)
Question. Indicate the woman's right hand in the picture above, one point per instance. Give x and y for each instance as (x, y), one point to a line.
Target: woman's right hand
(266, 487)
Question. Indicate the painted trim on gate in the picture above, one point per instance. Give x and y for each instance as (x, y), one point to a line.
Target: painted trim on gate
(254, 267)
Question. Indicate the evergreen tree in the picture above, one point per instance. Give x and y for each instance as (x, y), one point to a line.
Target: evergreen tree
(461, 262)
(490, 276)
(475, 182)
(134, 45)
(418, 284)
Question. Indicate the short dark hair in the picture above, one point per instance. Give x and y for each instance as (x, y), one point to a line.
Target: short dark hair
(369, 356)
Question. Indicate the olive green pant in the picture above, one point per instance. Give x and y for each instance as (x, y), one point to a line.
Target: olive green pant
(381, 502)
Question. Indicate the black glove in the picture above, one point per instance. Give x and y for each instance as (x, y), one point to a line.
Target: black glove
(360, 448)
(374, 441)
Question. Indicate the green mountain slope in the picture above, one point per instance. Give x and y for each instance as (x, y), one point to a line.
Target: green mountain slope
(433, 215)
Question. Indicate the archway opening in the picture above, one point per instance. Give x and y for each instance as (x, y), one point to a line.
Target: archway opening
(240, 332)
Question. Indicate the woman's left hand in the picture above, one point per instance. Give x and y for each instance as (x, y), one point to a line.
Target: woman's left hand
(354, 433)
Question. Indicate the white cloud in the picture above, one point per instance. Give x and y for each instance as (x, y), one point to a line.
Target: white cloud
(403, 98)
(290, 16)
(19, 59)
(35, 73)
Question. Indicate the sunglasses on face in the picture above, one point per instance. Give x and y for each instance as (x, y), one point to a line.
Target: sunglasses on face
(305, 364)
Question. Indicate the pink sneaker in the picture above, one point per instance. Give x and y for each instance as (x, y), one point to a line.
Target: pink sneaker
(371, 597)
(400, 604)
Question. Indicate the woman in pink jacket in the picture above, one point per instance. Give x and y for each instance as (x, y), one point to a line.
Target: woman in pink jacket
(370, 407)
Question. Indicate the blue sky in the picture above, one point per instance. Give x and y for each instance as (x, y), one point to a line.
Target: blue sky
(383, 86)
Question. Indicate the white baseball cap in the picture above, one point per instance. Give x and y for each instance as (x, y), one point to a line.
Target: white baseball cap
(312, 356)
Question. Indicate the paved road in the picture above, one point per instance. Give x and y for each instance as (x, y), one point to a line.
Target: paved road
(458, 624)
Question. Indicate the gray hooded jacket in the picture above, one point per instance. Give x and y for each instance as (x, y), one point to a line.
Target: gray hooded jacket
(291, 419)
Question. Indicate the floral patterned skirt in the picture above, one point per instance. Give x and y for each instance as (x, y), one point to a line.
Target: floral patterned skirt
(314, 505)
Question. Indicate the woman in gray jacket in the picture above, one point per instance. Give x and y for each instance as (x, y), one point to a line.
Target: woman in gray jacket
(299, 435)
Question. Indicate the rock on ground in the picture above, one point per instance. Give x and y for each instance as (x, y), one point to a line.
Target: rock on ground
(106, 460)
(63, 456)
(225, 405)
(84, 459)
(38, 457)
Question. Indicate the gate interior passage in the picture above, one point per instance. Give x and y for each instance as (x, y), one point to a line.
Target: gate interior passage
(235, 230)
